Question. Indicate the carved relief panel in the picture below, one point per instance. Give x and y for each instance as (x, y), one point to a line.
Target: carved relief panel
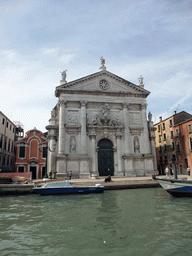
(72, 116)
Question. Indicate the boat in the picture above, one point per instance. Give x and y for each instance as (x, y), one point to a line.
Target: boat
(176, 187)
(65, 187)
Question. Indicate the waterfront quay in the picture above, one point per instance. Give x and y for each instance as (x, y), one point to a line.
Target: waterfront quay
(116, 184)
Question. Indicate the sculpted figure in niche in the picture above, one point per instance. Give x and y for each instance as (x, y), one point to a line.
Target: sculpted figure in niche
(136, 145)
(72, 144)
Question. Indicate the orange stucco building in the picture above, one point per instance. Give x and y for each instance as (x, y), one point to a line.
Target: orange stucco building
(31, 154)
(183, 142)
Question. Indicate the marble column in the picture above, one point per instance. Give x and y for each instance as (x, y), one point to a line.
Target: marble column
(61, 148)
(119, 153)
(126, 129)
(61, 157)
(83, 128)
(93, 155)
(51, 155)
(145, 136)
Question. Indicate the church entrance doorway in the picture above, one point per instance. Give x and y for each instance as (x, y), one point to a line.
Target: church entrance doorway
(105, 158)
(33, 170)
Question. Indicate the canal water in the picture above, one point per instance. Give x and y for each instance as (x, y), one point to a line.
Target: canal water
(120, 222)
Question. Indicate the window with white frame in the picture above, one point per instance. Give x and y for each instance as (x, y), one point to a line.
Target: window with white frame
(22, 151)
(177, 132)
(159, 138)
(189, 128)
(173, 146)
(164, 136)
(190, 143)
(171, 134)
(21, 169)
(170, 122)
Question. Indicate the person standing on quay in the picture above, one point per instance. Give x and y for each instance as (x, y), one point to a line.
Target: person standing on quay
(167, 171)
(188, 170)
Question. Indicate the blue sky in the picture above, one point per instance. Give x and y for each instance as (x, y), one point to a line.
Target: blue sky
(39, 39)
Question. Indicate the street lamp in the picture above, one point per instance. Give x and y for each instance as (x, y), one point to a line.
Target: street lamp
(46, 150)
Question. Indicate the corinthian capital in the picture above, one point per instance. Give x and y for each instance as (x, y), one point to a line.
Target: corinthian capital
(61, 102)
(83, 103)
(143, 106)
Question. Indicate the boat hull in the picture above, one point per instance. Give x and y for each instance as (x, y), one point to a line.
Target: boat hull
(177, 188)
(68, 191)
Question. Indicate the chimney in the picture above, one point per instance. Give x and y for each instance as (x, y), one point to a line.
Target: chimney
(175, 112)
(160, 119)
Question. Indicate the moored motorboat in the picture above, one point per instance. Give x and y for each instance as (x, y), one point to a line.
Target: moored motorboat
(176, 187)
(65, 187)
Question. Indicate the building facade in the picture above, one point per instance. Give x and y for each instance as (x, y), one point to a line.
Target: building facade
(31, 153)
(7, 144)
(99, 128)
(167, 142)
(183, 145)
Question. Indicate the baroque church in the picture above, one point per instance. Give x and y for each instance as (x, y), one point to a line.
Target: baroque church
(99, 127)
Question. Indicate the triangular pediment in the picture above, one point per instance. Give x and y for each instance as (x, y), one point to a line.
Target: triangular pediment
(102, 82)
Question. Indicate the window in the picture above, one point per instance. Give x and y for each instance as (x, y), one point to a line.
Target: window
(165, 158)
(173, 146)
(13, 129)
(22, 151)
(5, 144)
(44, 152)
(165, 147)
(159, 128)
(1, 141)
(3, 121)
(190, 144)
(159, 138)
(177, 132)
(164, 136)
(163, 126)
(160, 149)
(7, 124)
(170, 122)
(10, 127)
(8, 146)
(21, 169)
(189, 128)
(178, 147)
(161, 159)
(173, 158)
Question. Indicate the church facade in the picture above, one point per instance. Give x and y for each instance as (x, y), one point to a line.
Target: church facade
(99, 127)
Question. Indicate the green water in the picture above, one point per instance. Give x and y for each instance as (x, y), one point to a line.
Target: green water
(122, 222)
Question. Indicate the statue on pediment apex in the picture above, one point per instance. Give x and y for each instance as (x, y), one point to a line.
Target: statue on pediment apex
(102, 64)
(63, 76)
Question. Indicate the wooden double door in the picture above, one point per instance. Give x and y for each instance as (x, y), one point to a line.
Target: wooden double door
(105, 158)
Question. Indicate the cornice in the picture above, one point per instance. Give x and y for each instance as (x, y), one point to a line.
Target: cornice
(63, 87)
(98, 93)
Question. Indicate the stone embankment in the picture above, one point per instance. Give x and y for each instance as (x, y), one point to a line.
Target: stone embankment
(116, 183)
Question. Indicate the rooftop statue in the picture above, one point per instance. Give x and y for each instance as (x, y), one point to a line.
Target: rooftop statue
(102, 64)
(64, 75)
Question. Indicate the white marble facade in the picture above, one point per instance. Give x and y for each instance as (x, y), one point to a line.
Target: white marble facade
(100, 127)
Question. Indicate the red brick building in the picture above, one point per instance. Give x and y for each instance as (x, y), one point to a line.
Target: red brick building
(183, 144)
(30, 156)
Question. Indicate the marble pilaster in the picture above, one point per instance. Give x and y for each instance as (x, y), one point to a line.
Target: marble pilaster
(83, 128)
(61, 148)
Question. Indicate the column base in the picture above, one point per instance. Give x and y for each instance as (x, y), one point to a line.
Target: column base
(61, 175)
(94, 176)
(130, 173)
(84, 175)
